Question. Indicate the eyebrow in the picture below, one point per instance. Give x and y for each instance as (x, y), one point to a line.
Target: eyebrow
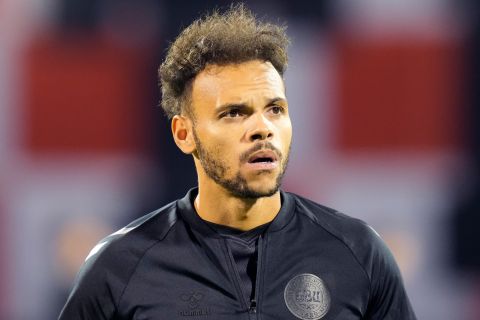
(228, 106)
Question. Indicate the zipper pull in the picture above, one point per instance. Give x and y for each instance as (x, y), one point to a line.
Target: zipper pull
(253, 306)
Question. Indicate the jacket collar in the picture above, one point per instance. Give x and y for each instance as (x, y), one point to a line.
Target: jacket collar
(190, 215)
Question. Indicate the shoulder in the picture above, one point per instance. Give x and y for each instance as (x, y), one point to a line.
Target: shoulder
(126, 246)
(109, 266)
(107, 269)
(361, 239)
(340, 225)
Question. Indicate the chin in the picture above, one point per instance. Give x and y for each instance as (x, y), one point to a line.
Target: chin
(254, 194)
(257, 192)
(253, 188)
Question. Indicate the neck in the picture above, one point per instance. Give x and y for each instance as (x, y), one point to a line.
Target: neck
(217, 205)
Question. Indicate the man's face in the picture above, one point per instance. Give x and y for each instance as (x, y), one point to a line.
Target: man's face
(241, 127)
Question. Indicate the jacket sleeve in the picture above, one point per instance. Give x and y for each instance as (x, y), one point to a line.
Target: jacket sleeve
(95, 290)
(388, 298)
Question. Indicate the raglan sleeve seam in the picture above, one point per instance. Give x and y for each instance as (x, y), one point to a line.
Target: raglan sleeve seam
(117, 304)
(362, 267)
(358, 261)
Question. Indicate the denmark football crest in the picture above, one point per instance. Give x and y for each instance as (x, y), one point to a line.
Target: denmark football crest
(307, 297)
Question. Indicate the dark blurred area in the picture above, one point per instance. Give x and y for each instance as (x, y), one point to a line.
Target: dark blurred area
(466, 217)
(385, 106)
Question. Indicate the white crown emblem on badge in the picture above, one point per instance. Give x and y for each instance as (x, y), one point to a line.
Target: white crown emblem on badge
(307, 297)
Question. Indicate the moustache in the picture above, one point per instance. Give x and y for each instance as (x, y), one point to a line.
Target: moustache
(260, 146)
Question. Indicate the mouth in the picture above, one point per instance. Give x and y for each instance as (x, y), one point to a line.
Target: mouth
(263, 160)
(264, 156)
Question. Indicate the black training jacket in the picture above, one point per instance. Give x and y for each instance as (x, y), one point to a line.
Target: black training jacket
(313, 263)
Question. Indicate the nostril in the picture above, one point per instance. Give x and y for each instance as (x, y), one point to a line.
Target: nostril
(257, 136)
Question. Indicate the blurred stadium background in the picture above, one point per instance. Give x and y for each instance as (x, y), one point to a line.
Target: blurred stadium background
(384, 98)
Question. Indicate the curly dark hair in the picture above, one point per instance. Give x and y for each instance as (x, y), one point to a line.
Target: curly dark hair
(234, 36)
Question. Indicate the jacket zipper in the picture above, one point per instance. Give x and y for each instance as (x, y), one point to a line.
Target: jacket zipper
(254, 303)
(235, 275)
(253, 306)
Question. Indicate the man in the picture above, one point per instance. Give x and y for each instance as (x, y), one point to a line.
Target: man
(237, 247)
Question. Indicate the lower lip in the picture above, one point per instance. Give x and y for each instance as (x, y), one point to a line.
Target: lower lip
(261, 165)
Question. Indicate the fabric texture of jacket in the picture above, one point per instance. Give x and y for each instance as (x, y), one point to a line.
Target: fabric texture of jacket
(313, 263)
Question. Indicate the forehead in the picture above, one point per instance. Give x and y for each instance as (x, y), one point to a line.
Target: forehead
(242, 82)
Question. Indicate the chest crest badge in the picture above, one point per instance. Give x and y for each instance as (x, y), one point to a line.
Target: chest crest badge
(307, 297)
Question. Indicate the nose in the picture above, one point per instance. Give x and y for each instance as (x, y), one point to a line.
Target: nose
(261, 129)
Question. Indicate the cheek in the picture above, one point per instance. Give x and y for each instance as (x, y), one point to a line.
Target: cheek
(286, 133)
(219, 143)
(222, 137)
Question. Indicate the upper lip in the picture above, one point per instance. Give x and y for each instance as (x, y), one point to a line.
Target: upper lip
(270, 154)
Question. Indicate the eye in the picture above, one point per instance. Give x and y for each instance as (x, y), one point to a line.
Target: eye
(232, 113)
(275, 109)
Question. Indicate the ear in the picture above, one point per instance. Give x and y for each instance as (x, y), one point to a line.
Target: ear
(182, 134)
